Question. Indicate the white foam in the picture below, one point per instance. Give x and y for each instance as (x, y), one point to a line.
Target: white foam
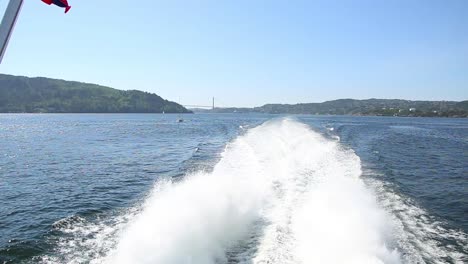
(297, 194)
(332, 217)
(419, 234)
(281, 193)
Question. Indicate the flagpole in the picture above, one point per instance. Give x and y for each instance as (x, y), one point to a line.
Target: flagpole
(8, 23)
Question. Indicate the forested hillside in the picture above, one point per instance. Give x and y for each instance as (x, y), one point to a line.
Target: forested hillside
(43, 95)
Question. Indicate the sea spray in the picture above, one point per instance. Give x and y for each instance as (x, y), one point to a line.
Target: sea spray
(324, 213)
(196, 220)
(296, 192)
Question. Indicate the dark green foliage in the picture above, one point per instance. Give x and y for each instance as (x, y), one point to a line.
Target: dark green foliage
(43, 95)
(462, 105)
(379, 107)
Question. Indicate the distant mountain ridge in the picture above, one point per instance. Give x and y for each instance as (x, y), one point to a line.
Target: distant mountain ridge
(20, 94)
(369, 107)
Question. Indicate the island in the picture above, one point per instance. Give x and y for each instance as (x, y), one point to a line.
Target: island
(368, 107)
(19, 94)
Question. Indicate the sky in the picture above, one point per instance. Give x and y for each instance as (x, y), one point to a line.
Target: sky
(250, 52)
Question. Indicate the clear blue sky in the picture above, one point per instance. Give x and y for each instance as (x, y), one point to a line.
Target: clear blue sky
(250, 52)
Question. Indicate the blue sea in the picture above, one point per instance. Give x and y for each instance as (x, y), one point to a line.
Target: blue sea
(232, 188)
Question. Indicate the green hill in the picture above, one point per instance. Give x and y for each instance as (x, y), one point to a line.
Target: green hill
(462, 105)
(43, 95)
(369, 107)
(381, 107)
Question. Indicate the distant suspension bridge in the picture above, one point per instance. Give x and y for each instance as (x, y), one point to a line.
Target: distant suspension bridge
(212, 106)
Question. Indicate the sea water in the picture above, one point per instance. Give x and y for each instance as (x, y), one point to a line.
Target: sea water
(232, 188)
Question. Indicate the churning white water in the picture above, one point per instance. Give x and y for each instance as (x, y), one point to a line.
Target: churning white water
(281, 193)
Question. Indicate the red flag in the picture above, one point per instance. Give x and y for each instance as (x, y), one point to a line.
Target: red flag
(61, 3)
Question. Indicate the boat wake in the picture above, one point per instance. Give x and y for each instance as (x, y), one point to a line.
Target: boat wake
(281, 193)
